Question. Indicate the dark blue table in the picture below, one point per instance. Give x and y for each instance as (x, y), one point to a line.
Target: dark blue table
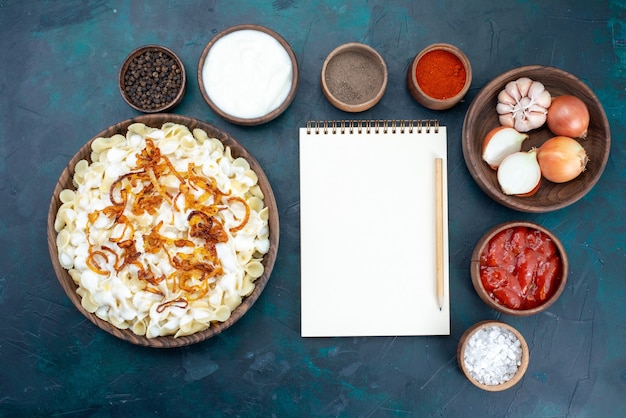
(58, 87)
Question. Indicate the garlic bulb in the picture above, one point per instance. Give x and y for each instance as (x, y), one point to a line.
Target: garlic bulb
(523, 104)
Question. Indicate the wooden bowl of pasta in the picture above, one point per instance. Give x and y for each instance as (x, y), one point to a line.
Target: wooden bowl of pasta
(194, 272)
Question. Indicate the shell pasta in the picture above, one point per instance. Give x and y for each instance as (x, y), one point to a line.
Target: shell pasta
(165, 231)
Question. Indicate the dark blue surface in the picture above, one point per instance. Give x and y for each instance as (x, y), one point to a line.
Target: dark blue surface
(58, 87)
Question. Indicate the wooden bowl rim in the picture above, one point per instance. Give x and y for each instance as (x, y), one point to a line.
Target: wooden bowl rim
(363, 49)
(274, 113)
(238, 150)
(521, 371)
(475, 268)
(124, 67)
(473, 158)
(432, 102)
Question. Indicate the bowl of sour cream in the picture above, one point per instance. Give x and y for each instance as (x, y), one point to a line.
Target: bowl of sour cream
(248, 74)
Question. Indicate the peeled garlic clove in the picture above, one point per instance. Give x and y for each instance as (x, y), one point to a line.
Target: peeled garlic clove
(528, 121)
(504, 108)
(520, 122)
(530, 106)
(507, 119)
(513, 90)
(505, 98)
(501, 142)
(539, 95)
(536, 89)
(519, 174)
(524, 85)
(536, 108)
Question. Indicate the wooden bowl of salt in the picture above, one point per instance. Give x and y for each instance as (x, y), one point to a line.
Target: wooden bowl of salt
(493, 355)
(354, 77)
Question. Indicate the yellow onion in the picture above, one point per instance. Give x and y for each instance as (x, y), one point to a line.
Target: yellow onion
(561, 159)
(568, 116)
(499, 143)
(519, 173)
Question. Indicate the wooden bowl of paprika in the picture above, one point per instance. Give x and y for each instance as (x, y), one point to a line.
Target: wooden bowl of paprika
(439, 76)
(519, 268)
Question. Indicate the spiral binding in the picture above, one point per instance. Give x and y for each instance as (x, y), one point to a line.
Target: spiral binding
(369, 126)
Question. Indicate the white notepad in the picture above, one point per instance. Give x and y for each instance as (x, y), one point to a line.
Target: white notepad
(368, 248)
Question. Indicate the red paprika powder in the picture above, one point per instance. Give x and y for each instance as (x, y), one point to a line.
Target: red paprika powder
(440, 74)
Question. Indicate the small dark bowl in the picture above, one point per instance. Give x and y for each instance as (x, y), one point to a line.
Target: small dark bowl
(487, 297)
(462, 346)
(174, 78)
(354, 77)
(271, 115)
(482, 116)
(432, 102)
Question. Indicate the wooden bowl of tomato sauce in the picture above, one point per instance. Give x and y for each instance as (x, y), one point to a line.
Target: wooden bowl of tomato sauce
(519, 268)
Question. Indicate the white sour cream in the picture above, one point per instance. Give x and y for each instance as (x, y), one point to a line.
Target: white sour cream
(247, 74)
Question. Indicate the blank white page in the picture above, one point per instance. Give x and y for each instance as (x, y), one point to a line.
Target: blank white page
(367, 203)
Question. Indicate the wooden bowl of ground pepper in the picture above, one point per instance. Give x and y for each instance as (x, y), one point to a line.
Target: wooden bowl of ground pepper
(152, 79)
(354, 77)
(439, 76)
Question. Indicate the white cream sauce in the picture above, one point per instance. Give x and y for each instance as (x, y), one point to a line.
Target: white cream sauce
(247, 74)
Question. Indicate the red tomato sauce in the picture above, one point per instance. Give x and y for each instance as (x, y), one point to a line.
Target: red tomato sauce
(520, 267)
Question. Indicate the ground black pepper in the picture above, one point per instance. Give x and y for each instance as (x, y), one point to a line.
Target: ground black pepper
(153, 79)
(354, 78)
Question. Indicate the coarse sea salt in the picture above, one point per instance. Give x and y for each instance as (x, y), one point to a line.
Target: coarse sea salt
(493, 355)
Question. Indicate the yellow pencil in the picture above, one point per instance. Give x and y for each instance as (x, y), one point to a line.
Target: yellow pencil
(439, 229)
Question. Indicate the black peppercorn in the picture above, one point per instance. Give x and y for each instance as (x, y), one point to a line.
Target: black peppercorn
(152, 80)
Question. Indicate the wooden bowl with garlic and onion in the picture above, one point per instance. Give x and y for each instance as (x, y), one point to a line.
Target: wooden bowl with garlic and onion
(489, 110)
